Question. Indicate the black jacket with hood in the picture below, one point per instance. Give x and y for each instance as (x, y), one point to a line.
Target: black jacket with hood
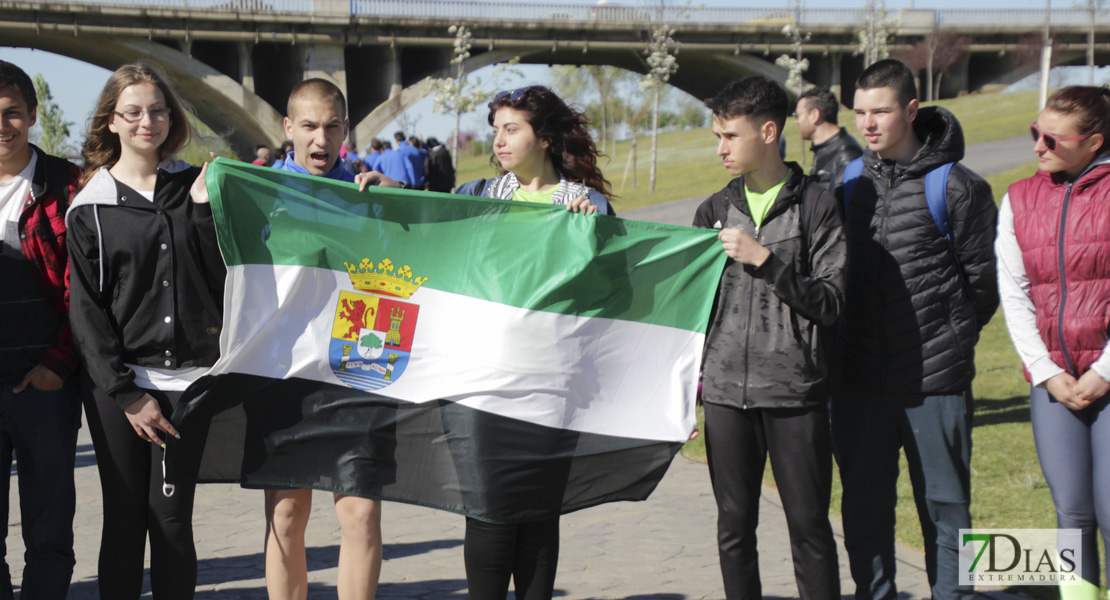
(765, 345)
(910, 321)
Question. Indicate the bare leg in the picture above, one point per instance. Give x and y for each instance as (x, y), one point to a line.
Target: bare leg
(360, 551)
(287, 514)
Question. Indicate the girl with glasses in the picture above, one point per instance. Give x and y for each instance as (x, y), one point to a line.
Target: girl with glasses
(1054, 280)
(147, 288)
(544, 153)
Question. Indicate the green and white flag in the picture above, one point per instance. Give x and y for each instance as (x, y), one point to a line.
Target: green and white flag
(506, 360)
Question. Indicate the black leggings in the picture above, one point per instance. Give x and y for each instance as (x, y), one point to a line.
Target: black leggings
(529, 553)
(134, 506)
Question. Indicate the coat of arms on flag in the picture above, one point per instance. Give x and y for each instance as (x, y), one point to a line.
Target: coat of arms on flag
(371, 339)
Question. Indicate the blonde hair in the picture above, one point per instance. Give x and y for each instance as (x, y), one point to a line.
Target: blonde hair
(102, 147)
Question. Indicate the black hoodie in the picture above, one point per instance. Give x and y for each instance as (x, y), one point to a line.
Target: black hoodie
(908, 325)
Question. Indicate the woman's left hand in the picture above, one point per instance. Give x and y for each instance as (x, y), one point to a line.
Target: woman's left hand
(1091, 386)
(199, 190)
(581, 205)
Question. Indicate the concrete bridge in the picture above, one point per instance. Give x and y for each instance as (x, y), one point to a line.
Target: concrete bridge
(236, 60)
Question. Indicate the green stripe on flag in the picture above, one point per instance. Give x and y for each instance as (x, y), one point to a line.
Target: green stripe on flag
(532, 256)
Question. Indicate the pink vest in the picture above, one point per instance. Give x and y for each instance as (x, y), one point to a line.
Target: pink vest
(1069, 278)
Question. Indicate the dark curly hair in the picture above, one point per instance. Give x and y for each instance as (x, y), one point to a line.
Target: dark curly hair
(570, 147)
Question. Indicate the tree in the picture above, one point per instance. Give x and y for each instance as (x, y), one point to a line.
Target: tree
(692, 114)
(947, 49)
(873, 37)
(461, 94)
(573, 81)
(1093, 7)
(661, 52)
(52, 130)
(795, 65)
(936, 53)
(407, 122)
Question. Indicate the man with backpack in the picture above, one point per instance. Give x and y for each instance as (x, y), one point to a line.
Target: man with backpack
(920, 286)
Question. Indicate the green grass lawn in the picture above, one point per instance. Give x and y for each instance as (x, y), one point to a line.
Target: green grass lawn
(1008, 489)
(688, 164)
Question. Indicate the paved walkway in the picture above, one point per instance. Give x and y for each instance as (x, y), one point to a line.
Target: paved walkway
(661, 549)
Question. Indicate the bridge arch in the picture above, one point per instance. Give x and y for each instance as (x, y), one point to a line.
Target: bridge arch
(700, 74)
(219, 101)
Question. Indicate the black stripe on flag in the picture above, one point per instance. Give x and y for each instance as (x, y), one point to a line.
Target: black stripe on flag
(299, 433)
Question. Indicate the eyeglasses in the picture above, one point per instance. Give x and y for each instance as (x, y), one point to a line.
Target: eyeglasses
(512, 95)
(1050, 140)
(134, 115)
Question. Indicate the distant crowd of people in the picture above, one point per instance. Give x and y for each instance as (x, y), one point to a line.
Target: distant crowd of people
(416, 163)
(845, 323)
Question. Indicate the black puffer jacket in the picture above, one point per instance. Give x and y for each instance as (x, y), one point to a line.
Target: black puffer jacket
(908, 325)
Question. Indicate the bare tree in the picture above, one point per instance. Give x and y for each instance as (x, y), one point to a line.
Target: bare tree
(948, 49)
(407, 122)
(1093, 8)
(461, 94)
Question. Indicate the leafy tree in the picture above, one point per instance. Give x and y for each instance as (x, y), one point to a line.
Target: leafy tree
(370, 341)
(51, 130)
(575, 81)
(691, 114)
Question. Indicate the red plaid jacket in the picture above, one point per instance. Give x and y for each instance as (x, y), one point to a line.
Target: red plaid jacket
(42, 235)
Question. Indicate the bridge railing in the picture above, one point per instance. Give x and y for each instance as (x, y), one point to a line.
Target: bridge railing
(255, 6)
(630, 11)
(1026, 17)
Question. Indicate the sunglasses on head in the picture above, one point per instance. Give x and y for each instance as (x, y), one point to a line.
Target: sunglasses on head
(1050, 141)
(512, 95)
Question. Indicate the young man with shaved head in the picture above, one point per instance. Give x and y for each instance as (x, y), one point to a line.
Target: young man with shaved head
(317, 123)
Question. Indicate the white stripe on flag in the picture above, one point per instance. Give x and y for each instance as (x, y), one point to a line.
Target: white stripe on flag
(595, 375)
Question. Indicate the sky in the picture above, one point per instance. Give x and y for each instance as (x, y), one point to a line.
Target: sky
(71, 80)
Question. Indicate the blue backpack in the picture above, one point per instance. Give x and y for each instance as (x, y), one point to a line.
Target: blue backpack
(936, 195)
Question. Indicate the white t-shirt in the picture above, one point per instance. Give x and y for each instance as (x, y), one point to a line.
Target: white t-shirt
(13, 193)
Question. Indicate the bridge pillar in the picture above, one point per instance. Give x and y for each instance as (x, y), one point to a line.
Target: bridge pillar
(246, 66)
(834, 75)
(326, 62)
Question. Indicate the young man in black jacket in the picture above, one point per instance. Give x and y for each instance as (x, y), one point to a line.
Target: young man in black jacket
(914, 305)
(832, 146)
(764, 371)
